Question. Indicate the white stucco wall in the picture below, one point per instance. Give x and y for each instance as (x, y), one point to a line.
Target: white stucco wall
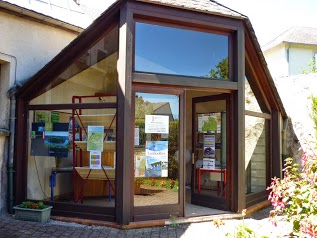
(25, 47)
(276, 59)
(300, 57)
(32, 43)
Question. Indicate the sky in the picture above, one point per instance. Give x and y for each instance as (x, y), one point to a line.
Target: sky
(270, 18)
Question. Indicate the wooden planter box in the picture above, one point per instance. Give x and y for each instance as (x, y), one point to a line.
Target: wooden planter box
(38, 215)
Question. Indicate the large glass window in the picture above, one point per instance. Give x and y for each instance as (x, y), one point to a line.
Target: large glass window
(257, 124)
(72, 156)
(256, 153)
(72, 152)
(156, 146)
(161, 49)
(93, 73)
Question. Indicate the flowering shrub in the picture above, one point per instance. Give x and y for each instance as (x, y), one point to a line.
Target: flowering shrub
(296, 195)
(152, 182)
(172, 183)
(32, 205)
(163, 183)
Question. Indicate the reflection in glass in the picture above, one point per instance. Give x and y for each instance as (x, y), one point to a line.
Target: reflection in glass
(251, 102)
(160, 49)
(255, 154)
(155, 149)
(210, 149)
(94, 73)
(58, 148)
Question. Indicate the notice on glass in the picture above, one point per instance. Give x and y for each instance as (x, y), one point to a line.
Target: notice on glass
(209, 146)
(156, 153)
(210, 122)
(95, 138)
(95, 160)
(139, 164)
(156, 124)
(136, 136)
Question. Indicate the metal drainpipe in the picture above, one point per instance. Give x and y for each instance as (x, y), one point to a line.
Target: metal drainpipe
(11, 95)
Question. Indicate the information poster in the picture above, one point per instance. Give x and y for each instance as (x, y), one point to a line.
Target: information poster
(156, 124)
(210, 122)
(95, 159)
(42, 116)
(156, 153)
(95, 138)
(209, 146)
(55, 117)
(139, 164)
(136, 136)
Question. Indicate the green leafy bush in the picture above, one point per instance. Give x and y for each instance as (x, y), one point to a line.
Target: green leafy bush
(296, 195)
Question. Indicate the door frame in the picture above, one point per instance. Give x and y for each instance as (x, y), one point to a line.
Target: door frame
(203, 200)
(159, 211)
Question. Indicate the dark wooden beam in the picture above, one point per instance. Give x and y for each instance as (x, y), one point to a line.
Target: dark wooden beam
(258, 114)
(192, 18)
(184, 81)
(20, 155)
(238, 170)
(124, 154)
(275, 138)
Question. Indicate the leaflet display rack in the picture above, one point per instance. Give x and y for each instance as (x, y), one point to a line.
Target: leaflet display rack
(217, 152)
(80, 122)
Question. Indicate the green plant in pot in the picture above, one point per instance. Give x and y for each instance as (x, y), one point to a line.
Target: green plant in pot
(33, 211)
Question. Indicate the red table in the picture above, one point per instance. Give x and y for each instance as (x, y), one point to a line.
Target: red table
(217, 171)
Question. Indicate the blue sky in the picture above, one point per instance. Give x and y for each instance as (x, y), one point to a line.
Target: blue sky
(177, 51)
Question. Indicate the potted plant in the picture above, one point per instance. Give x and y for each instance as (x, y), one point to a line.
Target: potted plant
(33, 211)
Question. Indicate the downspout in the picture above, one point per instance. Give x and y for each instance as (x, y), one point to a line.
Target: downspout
(11, 95)
(287, 59)
(11, 133)
(284, 155)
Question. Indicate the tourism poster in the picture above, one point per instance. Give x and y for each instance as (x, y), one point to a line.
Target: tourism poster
(42, 116)
(95, 160)
(156, 124)
(156, 153)
(95, 138)
(55, 117)
(139, 164)
(209, 123)
(209, 146)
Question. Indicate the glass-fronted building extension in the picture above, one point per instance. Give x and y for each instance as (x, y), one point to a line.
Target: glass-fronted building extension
(156, 107)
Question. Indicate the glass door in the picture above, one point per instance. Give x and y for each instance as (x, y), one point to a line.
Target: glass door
(157, 149)
(209, 166)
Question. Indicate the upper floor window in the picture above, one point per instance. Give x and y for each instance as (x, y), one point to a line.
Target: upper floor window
(167, 50)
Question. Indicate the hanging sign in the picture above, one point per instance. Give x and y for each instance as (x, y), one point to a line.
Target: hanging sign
(156, 124)
(139, 164)
(95, 138)
(156, 153)
(95, 160)
(209, 123)
(209, 146)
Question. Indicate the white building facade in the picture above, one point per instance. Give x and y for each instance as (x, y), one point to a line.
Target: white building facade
(291, 53)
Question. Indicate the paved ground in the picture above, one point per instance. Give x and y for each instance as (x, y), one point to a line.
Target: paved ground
(11, 228)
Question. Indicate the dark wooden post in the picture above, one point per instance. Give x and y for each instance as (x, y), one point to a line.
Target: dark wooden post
(124, 151)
